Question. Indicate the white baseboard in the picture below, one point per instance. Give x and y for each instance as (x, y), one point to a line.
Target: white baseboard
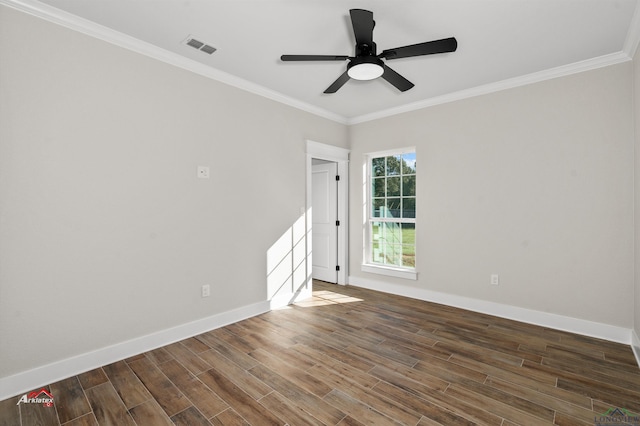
(635, 345)
(41, 376)
(530, 316)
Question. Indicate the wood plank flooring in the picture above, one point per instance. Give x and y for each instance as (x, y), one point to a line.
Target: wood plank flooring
(353, 357)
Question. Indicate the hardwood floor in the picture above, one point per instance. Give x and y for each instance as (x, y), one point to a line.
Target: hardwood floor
(353, 357)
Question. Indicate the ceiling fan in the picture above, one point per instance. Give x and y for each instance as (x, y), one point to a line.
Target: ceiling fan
(367, 65)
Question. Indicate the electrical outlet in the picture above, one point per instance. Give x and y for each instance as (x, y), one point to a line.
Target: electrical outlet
(495, 279)
(203, 172)
(206, 290)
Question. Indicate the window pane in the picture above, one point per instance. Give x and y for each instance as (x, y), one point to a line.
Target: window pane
(409, 245)
(377, 166)
(393, 165)
(378, 187)
(393, 207)
(376, 243)
(408, 233)
(409, 207)
(409, 186)
(387, 243)
(378, 207)
(409, 163)
(393, 186)
(408, 256)
(393, 255)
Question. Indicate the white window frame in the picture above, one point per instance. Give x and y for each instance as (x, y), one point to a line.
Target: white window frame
(368, 265)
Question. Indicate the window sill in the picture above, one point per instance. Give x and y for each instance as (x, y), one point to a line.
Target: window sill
(391, 272)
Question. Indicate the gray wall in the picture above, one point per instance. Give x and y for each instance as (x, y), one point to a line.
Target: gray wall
(533, 183)
(106, 234)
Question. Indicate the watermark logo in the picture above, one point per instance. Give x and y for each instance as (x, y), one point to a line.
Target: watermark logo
(617, 416)
(38, 397)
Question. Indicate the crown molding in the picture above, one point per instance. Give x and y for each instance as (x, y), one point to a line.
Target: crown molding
(577, 67)
(92, 29)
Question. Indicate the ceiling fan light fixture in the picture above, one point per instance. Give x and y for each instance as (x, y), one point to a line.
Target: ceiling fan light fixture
(365, 68)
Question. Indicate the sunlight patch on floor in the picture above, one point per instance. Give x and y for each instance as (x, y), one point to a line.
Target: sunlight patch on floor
(325, 297)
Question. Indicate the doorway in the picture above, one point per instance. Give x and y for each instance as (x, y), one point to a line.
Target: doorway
(331, 156)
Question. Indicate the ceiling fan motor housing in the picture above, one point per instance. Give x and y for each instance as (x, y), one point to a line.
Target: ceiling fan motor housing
(365, 49)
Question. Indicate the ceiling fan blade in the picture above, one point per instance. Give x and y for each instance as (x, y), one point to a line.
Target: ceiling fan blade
(362, 21)
(401, 83)
(338, 83)
(428, 48)
(313, 58)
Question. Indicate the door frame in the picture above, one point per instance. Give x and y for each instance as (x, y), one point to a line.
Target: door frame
(340, 156)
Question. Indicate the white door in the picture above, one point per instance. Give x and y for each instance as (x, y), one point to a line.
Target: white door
(324, 188)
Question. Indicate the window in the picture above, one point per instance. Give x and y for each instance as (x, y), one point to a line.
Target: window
(391, 217)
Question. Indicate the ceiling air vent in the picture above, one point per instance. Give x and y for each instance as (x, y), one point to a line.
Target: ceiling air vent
(208, 49)
(197, 44)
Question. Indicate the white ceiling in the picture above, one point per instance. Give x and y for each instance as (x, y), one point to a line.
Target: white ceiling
(501, 43)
